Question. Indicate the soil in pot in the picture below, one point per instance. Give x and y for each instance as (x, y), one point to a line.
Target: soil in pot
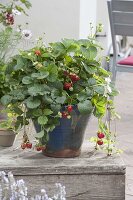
(7, 138)
(67, 138)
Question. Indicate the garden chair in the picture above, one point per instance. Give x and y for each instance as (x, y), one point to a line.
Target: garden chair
(121, 23)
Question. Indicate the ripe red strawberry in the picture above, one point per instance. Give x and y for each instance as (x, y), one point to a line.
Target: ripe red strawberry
(64, 114)
(74, 77)
(69, 108)
(100, 142)
(23, 146)
(100, 135)
(29, 145)
(8, 15)
(10, 19)
(38, 148)
(37, 52)
(67, 86)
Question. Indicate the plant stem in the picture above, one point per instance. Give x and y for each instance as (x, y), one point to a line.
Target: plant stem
(96, 145)
(109, 128)
(108, 147)
(25, 136)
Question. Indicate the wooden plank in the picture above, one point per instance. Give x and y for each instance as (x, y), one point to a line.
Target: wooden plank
(123, 17)
(80, 187)
(92, 176)
(124, 30)
(30, 162)
(119, 5)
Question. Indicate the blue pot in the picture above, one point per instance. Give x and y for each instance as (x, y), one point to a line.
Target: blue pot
(66, 139)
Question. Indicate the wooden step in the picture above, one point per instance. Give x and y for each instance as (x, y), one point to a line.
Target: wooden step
(92, 176)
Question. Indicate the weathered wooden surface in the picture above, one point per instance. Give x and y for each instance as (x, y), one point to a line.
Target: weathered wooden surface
(81, 187)
(92, 176)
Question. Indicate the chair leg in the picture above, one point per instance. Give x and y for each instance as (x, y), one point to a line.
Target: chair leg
(114, 76)
(113, 70)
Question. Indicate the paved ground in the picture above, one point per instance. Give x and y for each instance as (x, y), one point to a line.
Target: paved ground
(124, 106)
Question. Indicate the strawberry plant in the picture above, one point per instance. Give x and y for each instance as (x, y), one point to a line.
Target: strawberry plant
(64, 74)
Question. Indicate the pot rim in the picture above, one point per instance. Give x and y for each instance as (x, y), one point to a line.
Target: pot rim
(6, 132)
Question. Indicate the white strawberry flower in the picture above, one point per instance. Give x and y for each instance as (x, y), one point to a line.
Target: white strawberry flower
(26, 34)
(109, 89)
(108, 80)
